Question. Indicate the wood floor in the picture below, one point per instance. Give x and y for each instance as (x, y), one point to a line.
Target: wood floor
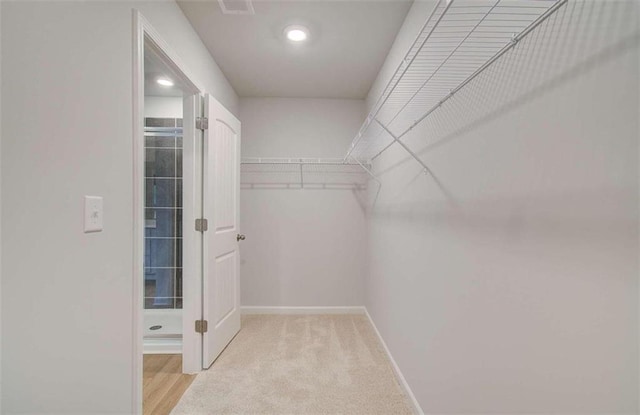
(163, 383)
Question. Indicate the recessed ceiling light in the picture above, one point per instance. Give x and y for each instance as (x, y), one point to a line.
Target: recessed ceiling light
(164, 81)
(296, 33)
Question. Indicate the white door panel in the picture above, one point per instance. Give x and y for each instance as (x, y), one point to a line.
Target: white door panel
(221, 287)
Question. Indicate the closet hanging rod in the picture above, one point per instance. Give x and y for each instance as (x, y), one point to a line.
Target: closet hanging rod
(298, 161)
(407, 149)
(320, 166)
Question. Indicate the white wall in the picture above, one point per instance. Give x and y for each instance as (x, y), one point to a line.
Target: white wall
(0, 212)
(509, 282)
(162, 107)
(67, 343)
(304, 247)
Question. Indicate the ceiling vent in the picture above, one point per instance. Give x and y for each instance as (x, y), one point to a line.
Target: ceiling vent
(236, 6)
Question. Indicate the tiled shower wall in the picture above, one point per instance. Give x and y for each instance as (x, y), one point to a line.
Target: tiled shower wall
(163, 213)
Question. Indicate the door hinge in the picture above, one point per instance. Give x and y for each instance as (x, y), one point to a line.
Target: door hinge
(202, 123)
(202, 225)
(202, 326)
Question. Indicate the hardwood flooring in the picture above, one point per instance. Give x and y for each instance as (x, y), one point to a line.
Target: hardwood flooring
(163, 383)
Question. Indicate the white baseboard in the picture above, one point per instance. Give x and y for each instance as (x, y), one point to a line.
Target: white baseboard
(303, 310)
(403, 383)
(162, 346)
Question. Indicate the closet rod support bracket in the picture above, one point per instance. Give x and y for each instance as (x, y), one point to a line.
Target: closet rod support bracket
(406, 148)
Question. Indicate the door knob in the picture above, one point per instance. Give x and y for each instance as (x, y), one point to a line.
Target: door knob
(240, 237)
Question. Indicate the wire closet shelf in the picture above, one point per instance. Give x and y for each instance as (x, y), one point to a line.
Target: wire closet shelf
(459, 40)
(303, 172)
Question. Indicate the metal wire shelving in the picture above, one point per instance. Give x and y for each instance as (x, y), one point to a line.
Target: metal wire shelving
(459, 40)
(303, 173)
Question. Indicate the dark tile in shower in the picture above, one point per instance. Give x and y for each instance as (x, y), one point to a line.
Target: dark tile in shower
(166, 223)
(178, 169)
(179, 142)
(178, 247)
(179, 191)
(154, 303)
(149, 286)
(161, 162)
(178, 122)
(161, 253)
(161, 193)
(160, 288)
(179, 283)
(178, 288)
(178, 227)
(159, 122)
(151, 141)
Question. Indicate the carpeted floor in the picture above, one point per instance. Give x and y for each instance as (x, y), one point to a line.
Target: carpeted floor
(299, 364)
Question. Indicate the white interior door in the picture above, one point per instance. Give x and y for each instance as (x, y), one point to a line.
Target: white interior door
(221, 276)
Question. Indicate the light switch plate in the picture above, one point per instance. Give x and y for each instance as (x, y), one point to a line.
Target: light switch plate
(93, 214)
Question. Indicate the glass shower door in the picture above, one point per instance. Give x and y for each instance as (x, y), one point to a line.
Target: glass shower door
(163, 213)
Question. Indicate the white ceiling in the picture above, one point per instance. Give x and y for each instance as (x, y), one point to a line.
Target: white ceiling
(349, 42)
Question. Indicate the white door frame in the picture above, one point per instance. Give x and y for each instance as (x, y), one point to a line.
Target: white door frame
(144, 33)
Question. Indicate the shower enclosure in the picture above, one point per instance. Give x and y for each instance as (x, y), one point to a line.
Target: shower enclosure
(163, 233)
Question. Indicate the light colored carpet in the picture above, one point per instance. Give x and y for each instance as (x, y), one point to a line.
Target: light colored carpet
(299, 364)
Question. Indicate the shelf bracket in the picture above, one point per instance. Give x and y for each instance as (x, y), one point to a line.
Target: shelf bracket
(407, 149)
(373, 177)
(369, 172)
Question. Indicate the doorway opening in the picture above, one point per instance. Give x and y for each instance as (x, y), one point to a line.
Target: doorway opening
(164, 94)
(167, 253)
(163, 203)
(186, 200)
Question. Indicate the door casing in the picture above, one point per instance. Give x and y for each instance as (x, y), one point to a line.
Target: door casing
(145, 35)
